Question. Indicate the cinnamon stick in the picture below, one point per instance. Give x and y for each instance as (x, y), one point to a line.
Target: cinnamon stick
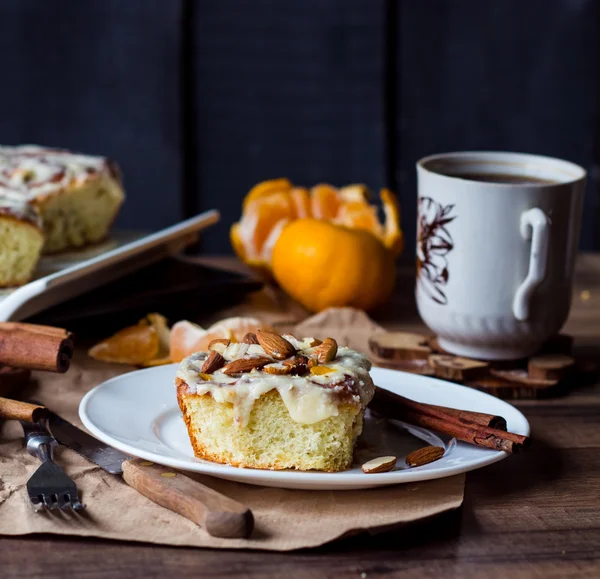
(480, 418)
(456, 424)
(396, 403)
(35, 347)
(17, 410)
(473, 433)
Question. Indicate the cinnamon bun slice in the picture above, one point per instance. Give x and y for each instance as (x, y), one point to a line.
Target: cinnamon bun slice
(249, 408)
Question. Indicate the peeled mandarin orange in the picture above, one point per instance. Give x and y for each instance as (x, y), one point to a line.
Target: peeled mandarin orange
(270, 206)
(324, 265)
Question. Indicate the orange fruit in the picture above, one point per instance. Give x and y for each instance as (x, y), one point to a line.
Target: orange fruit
(271, 205)
(322, 265)
(187, 337)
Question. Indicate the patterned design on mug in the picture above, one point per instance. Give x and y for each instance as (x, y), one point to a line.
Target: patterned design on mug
(434, 242)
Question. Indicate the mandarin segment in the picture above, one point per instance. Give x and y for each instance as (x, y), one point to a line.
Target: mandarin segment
(301, 202)
(259, 218)
(134, 345)
(266, 188)
(325, 202)
(321, 370)
(359, 215)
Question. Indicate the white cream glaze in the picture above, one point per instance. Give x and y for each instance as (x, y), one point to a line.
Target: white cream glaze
(13, 204)
(309, 398)
(30, 172)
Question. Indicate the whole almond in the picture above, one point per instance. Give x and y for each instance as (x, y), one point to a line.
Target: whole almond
(223, 341)
(326, 351)
(381, 464)
(274, 345)
(213, 363)
(244, 365)
(250, 338)
(424, 455)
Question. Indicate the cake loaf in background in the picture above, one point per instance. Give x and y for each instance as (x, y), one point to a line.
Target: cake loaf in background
(76, 196)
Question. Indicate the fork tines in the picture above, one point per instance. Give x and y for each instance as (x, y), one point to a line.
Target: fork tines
(50, 488)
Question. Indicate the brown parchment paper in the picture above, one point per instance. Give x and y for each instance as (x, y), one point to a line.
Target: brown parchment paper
(285, 519)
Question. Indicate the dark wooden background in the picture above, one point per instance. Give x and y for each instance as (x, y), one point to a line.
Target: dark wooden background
(199, 99)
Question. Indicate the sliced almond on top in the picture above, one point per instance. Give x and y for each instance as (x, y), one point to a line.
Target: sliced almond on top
(278, 368)
(213, 363)
(381, 464)
(245, 365)
(326, 351)
(250, 338)
(424, 455)
(274, 345)
(216, 341)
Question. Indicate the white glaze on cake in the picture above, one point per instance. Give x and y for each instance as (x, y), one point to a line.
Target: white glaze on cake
(34, 171)
(13, 204)
(309, 398)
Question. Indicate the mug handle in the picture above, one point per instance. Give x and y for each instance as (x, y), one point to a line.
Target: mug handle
(535, 225)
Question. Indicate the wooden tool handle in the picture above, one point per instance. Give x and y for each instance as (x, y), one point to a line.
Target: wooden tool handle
(16, 410)
(219, 515)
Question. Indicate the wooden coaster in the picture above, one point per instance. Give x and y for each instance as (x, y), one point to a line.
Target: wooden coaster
(457, 368)
(542, 375)
(400, 346)
(550, 366)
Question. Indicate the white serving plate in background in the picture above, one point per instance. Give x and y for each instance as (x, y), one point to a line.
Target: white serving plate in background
(66, 275)
(138, 414)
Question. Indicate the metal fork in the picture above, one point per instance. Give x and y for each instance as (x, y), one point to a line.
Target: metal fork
(49, 486)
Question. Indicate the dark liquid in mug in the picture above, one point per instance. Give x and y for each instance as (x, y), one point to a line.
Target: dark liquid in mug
(503, 178)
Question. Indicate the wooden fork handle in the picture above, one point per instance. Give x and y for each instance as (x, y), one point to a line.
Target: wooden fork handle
(219, 515)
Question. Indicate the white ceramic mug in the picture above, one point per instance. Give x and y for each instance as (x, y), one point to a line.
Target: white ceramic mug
(495, 259)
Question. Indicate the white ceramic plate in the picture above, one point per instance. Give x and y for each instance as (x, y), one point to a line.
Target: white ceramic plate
(138, 414)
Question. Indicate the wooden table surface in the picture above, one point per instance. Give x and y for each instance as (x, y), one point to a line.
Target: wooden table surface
(534, 515)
